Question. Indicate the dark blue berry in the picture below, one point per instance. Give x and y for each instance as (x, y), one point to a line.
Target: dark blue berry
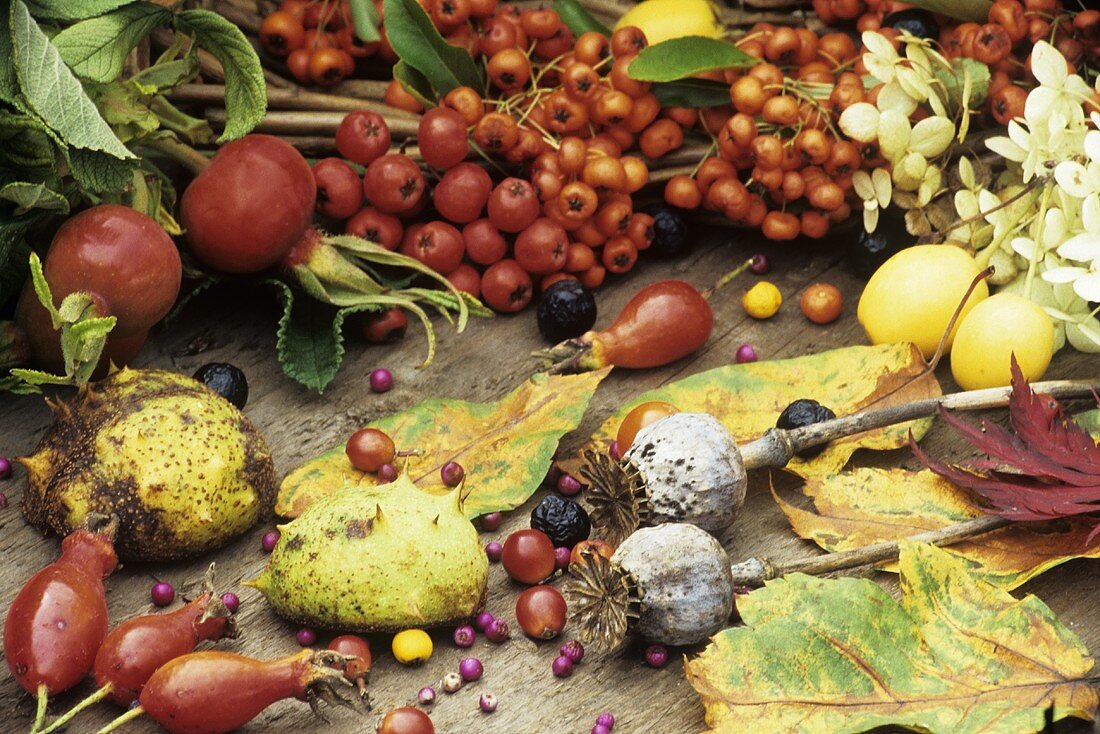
(670, 232)
(915, 22)
(566, 310)
(563, 520)
(226, 380)
(801, 413)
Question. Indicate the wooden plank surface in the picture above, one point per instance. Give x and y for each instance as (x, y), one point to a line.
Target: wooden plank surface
(237, 326)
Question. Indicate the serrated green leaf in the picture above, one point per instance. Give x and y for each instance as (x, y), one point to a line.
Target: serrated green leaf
(34, 378)
(414, 83)
(245, 89)
(73, 9)
(14, 255)
(96, 48)
(124, 108)
(418, 44)
(18, 386)
(696, 93)
(680, 58)
(976, 11)
(99, 172)
(52, 91)
(25, 143)
(168, 74)
(9, 84)
(365, 19)
(27, 196)
(309, 342)
(577, 19)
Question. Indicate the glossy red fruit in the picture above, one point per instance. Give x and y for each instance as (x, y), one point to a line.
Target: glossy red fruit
(528, 556)
(369, 448)
(58, 620)
(339, 190)
(485, 244)
(353, 646)
(280, 33)
(513, 205)
(541, 612)
(638, 418)
(439, 246)
(466, 278)
(506, 287)
(541, 248)
(406, 720)
(250, 206)
(362, 136)
(371, 224)
(393, 183)
(137, 647)
(441, 137)
(462, 192)
(385, 326)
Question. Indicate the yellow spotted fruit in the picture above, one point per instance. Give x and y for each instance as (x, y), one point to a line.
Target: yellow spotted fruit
(662, 20)
(182, 469)
(378, 559)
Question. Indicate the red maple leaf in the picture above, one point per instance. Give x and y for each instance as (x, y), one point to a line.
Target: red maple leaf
(1044, 468)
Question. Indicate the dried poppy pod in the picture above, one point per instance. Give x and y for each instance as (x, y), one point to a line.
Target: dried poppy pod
(687, 468)
(669, 584)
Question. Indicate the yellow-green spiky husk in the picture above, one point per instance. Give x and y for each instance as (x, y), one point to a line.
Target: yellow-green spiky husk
(378, 559)
(182, 468)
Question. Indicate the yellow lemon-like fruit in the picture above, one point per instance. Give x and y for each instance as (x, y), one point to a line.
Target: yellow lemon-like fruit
(762, 300)
(412, 646)
(913, 295)
(998, 327)
(661, 20)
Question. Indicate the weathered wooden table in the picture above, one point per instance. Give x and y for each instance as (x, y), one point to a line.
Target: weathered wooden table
(482, 364)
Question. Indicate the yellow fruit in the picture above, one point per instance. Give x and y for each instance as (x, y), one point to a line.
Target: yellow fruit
(913, 295)
(661, 20)
(762, 300)
(998, 327)
(412, 646)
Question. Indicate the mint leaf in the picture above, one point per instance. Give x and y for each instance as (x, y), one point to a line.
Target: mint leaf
(27, 196)
(679, 58)
(414, 83)
(72, 9)
(698, 93)
(245, 89)
(578, 19)
(99, 173)
(365, 19)
(52, 91)
(419, 45)
(96, 48)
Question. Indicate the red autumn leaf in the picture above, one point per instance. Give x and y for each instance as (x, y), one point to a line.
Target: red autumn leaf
(1046, 467)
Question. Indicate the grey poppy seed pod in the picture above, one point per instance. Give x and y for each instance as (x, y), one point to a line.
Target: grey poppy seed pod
(683, 579)
(691, 470)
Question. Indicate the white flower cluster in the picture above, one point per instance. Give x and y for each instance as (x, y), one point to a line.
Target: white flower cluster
(1044, 216)
(911, 150)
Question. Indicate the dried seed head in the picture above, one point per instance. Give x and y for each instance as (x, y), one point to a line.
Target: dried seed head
(602, 601)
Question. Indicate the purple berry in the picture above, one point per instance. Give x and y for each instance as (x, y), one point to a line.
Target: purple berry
(381, 380)
(656, 656)
(452, 473)
(498, 631)
(600, 729)
(452, 682)
(5, 468)
(269, 541)
(613, 451)
(745, 353)
(487, 703)
(760, 264)
(386, 473)
(306, 637)
(568, 485)
(426, 696)
(483, 620)
(163, 594)
(606, 719)
(465, 636)
(470, 669)
(562, 667)
(231, 601)
(492, 521)
(573, 650)
(493, 550)
(561, 558)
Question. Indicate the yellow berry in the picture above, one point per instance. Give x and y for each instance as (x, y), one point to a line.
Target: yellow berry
(412, 646)
(762, 300)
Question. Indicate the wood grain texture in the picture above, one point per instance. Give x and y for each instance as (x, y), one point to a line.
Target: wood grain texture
(237, 325)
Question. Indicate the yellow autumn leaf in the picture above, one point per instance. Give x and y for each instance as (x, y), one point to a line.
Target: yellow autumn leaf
(748, 398)
(864, 506)
(505, 447)
(955, 655)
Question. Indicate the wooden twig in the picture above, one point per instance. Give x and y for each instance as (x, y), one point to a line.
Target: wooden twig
(309, 123)
(289, 99)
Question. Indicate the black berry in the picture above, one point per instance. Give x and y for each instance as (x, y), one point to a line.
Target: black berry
(915, 22)
(563, 520)
(670, 232)
(566, 310)
(226, 380)
(805, 413)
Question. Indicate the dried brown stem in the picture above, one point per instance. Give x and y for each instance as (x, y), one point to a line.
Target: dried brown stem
(288, 99)
(755, 571)
(309, 123)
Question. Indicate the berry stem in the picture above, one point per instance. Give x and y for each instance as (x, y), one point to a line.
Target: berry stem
(65, 718)
(121, 720)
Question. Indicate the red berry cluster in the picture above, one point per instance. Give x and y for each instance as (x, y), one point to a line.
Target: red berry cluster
(316, 38)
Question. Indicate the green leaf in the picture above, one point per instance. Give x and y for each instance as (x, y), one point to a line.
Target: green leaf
(54, 93)
(972, 10)
(9, 84)
(14, 255)
(955, 655)
(245, 89)
(99, 172)
(578, 19)
(96, 48)
(72, 9)
(310, 342)
(954, 82)
(1090, 421)
(365, 19)
(506, 447)
(414, 83)
(124, 108)
(419, 45)
(27, 196)
(698, 93)
(25, 142)
(679, 58)
(18, 386)
(168, 74)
